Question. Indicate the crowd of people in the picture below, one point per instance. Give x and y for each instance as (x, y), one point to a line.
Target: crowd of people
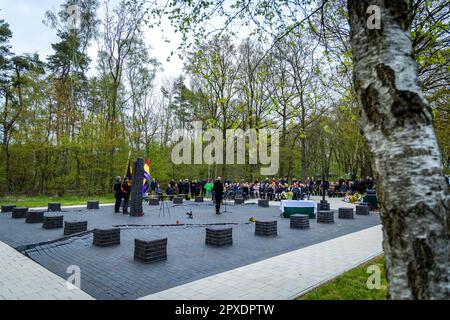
(272, 190)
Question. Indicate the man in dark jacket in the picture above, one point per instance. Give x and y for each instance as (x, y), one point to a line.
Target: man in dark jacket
(218, 193)
(118, 194)
(153, 186)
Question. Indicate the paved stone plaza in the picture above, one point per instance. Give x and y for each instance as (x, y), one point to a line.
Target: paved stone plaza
(112, 273)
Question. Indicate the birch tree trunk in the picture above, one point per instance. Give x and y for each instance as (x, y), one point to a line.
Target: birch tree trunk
(397, 123)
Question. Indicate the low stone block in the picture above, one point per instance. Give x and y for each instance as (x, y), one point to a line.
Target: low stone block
(346, 213)
(75, 227)
(263, 203)
(239, 201)
(325, 217)
(178, 200)
(8, 208)
(106, 237)
(199, 199)
(19, 213)
(266, 228)
(219, 237)
(53, 222)
(362, 210)
(35, 217)
(150, 251)
(153, 201)
(54, 207)
(299, 221)
(93, 205)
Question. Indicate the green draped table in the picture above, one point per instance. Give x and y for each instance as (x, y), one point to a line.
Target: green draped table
(290, 207)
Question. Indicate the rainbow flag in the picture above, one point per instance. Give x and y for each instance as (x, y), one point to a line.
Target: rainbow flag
(146, 184)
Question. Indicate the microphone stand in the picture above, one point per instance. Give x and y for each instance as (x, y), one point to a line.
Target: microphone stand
(225, 205)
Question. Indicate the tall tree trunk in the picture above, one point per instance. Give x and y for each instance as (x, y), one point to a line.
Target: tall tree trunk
(397, 124)
(303, 164)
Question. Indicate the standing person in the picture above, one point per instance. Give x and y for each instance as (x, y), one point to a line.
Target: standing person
(208, 188)
(118, 194)
(218, 193)
(202, 188)
(126, 191)
(153, 186)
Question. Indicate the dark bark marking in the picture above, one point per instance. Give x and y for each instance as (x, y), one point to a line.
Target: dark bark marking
(418, 268)
(399, 10)
(406, 104)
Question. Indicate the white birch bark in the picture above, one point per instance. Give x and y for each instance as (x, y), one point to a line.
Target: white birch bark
(397, 123)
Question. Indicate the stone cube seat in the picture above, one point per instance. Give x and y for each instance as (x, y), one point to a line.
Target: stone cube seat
(325, 216)
(217, 237)
(106, 237)
(150, 251)
(362, 210)
(346, 213)
(93, 205)
(19, 213)
(75, 227)
(263, 203)
(8, 208)
(178, 200)
(53, 222)
(54, 207)
(266, 228)
(34, 217)
(300, 221)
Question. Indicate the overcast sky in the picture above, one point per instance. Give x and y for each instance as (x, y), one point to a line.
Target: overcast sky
(31, 35)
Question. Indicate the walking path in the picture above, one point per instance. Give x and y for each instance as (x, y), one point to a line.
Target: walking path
(23, 279)
(287, 276)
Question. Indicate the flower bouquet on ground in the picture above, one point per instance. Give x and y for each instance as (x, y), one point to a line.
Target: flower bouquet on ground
(354, 198)
(288, 195)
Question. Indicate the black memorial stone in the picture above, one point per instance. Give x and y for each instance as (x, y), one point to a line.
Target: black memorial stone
(8, 208)
(362, 210)
(54, 207)
(239, 201)
(53, 222)
(346, 213)
(93, 205)
(266, 228)
(325, 217)
(178, 200)
(136, 209)
(35, 217)
(75, 227)
(219, 237)
(106, 237)
(300, 221)
(153, 201)
(199, 199)
(263, 203)
(19, 213)
(150, 251)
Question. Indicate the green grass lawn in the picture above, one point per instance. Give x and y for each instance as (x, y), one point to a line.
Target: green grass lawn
(351, 286)
(41, 201)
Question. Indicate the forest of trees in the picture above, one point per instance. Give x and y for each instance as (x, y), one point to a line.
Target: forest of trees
(64, 131)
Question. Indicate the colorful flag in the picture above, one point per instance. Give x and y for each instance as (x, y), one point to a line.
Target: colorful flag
(146, 185)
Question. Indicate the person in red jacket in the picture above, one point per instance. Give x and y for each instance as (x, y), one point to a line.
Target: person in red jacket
(126, 190)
